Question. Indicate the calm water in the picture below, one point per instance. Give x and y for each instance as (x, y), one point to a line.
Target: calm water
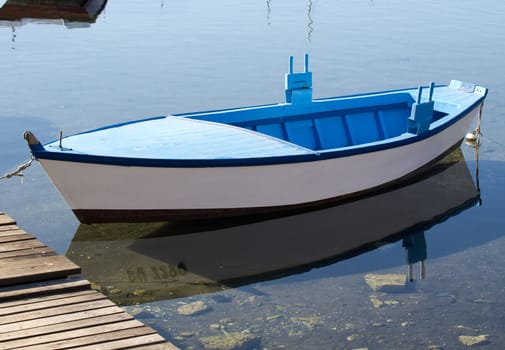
(148, 58)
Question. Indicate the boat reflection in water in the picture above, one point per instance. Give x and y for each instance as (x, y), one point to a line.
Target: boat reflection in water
(70, 13)
(136, 263)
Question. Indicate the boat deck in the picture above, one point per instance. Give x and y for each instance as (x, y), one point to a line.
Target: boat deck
(177, 138)
(265, 132)
(45, 304)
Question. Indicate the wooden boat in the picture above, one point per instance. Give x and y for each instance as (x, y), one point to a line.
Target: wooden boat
(141, 262)
(300, 153)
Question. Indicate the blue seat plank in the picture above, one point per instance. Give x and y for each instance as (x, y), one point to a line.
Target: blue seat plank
(332, 132)
(301, 132)
(363, 127)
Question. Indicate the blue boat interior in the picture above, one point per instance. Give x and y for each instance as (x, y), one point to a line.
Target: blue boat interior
(336, 128)
(331, 123)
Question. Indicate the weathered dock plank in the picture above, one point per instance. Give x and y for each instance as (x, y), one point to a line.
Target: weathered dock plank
(6, 220)
(96, 339)
(8, 228)
(15, 270)
(45, 298)
(19, 254)
(66, 326)
(44, 306)
(13, 237)
(150, 342)
(46, 289)
(62, 310)
(20, 245)
(60, 319)
(72, 334)
(48, 302)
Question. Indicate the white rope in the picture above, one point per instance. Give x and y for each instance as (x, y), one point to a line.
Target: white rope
(19, 170)
(473, 137)
(477, 129)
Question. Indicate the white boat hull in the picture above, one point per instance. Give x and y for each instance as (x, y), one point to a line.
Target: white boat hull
(102, 192)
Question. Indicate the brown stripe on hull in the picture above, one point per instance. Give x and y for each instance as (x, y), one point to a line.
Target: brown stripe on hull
(91, 216)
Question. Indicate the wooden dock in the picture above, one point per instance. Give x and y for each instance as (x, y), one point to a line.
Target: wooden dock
(46, 304)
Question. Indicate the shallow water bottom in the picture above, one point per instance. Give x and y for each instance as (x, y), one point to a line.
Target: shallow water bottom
(343, 312)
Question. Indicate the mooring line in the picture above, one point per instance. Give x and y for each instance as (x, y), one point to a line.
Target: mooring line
(19, 170)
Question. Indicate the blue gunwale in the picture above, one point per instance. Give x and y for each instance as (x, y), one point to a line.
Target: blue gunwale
(444, 122)
(321, 99)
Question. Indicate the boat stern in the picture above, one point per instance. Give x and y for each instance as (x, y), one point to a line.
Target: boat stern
(468, 87)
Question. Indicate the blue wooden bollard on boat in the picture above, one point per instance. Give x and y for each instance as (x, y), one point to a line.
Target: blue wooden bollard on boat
(421, 114)
(299, 85)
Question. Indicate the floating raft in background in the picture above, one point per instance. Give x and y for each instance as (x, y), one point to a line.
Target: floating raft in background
(44, 303)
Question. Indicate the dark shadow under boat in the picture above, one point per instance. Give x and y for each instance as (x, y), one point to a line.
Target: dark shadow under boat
(136, 263)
